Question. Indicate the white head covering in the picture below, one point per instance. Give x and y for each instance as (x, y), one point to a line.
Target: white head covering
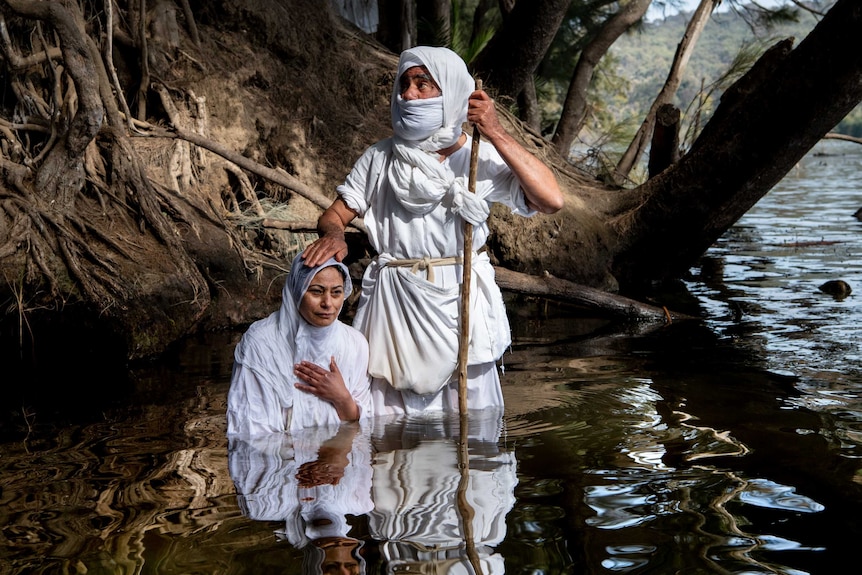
(290, 327)
(456, 84)
(297, 284)
(416, 176)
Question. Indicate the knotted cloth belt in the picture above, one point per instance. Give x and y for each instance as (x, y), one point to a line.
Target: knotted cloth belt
(426, 264)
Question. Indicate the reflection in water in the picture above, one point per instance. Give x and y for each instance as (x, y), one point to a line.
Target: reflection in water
(759, 284)
(654, 468)
(422, 492)
(418, 478)
(311, 480)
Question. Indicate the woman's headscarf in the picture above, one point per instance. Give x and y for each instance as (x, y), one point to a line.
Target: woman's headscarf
(297, 284)
(272, 346)
(297, 339)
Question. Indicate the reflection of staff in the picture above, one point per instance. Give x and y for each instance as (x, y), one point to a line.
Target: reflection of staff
(420, 490)
(466, 273)
(464, 509)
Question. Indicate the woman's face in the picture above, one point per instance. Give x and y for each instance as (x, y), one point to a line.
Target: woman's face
(339, 557)
(322, 302)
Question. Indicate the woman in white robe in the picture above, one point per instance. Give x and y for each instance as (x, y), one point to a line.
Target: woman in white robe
(300, 366)
(412, 192)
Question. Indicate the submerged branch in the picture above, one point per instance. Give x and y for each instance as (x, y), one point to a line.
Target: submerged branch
(836, 136)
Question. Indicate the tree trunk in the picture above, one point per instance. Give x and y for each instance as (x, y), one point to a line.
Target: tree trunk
(515, 51)
(391, 30)
(665, 96)
(629, 239)
(435, 16)
(764, 125)
(409, 35)
(664, 148)
(528, 104)
(609, 305)
(574, 113)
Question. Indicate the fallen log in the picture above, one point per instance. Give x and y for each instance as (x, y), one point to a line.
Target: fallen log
(608, 304)
(611, 304)
(298, 226)
(846, 138)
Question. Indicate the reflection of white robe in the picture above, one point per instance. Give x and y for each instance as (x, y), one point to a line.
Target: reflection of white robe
(263, 469)
(415, 490)
(398, 306)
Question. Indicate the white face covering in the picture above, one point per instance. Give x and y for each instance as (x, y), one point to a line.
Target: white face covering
(418, 119)
(424, 126)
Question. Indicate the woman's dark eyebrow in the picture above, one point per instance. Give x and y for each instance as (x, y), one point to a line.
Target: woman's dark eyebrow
(323, 287)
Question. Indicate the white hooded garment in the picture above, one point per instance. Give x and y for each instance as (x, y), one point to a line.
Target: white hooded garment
(262, 397)
(412, 205)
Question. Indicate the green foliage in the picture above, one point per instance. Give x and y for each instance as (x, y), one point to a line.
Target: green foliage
(851, 125)
(464, 42)
(582, 21)
(630, 76)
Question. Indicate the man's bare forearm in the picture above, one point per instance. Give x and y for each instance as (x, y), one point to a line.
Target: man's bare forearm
(329, 224)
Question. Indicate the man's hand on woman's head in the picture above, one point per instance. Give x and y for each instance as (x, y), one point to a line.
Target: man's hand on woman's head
(323, 248)
(331, 243)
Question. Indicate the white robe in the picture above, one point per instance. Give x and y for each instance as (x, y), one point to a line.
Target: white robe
(262, 397)
(412, 323)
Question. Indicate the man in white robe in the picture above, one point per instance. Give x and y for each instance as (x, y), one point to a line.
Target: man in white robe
(412, 192)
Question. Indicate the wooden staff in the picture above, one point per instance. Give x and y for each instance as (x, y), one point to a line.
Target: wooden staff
(465, 510)
(466, 274)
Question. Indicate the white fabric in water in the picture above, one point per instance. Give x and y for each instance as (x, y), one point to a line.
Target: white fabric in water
(264, 471)
(417, 477)
(262, 396)
(413, 325)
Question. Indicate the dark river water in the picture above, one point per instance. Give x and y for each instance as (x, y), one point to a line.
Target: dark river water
(728, 445)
